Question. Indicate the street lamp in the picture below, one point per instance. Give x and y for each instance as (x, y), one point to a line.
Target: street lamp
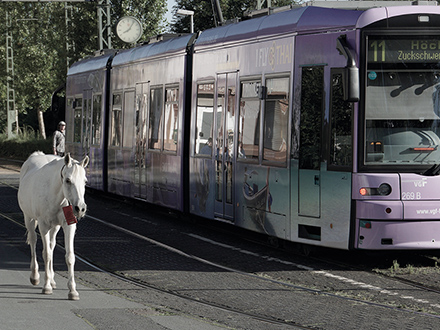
(190, 13)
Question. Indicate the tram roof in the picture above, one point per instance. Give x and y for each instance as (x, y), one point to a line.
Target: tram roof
(169, 46)
(306, 19)
(91, 63)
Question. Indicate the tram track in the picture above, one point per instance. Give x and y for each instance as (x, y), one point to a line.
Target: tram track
(143, 285)
(347, 267)
(265, 277)
(269, 243)
(229, 309)
(253, 276)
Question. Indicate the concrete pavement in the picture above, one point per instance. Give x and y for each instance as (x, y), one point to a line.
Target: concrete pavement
(23, 306)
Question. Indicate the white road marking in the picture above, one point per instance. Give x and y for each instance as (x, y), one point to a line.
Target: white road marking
(321, 272)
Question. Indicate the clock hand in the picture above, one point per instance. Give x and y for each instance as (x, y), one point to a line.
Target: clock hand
(129, 28)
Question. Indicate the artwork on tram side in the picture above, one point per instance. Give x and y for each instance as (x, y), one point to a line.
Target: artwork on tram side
(201, 184)
(257, 200)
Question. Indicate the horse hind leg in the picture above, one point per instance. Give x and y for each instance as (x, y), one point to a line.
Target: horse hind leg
(31, 225)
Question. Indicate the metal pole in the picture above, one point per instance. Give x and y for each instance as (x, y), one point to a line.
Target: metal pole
(104, 29)
(70, 43)
(109, 26)
(10, 108)
(184, 12)
(100, 36)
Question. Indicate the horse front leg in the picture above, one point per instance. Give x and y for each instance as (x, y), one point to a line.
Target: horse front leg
(47, 257)
(52, 243)
(69, 235)
(31, 225)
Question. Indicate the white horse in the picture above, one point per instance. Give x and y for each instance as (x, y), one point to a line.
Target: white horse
(47, 184)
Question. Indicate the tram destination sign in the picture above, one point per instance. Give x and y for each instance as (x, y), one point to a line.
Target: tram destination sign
(403, 50)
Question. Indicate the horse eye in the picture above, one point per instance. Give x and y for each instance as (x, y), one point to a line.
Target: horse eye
(68, 181)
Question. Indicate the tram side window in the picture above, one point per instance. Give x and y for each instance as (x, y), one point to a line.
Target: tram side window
(116, 120)
(87, 120)
(341, 123)
(129, 112)
(204, 119)
(171, 119)
(155, 127)
(276, 120)
(97, 122)
(312, 90)
(69, 114)
(77, 120)
(249, 120)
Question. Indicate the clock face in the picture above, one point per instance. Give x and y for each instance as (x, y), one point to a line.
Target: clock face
(129, 29)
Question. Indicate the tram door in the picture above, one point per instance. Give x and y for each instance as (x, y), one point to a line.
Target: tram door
(140, 176)
(309, 180)
(224, 138)
(87, 123)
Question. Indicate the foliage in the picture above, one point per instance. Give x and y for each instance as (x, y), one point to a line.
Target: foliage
(40, 34)
(24, 144)
(39, 44)
(203, 12)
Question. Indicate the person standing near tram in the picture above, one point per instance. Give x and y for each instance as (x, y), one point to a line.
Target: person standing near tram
(59, 139)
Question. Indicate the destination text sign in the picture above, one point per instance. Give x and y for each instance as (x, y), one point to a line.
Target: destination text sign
(403, 50)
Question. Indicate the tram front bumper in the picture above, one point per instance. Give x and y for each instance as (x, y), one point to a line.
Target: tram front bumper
(397, 225)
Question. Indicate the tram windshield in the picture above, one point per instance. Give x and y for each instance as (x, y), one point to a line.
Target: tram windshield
(402, 105)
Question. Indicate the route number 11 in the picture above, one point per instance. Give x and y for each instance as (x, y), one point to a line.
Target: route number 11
(378, 50)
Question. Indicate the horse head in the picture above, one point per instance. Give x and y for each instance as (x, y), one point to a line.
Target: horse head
(74, 180)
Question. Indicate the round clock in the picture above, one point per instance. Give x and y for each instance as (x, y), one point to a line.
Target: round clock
(129, 29)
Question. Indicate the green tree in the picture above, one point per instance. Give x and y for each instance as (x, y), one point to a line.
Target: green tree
(204, 14)
(39, 44)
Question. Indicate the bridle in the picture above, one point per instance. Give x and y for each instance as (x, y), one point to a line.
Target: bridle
(62, 179)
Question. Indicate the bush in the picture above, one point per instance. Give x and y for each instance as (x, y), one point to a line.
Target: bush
(25, 143)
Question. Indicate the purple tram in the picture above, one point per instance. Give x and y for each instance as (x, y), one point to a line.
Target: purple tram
(313, 125)
(87, 117)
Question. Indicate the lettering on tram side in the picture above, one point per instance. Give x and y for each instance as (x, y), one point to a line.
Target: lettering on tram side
(430, 211)
(420, 183)
(411, 195)
(414, 195)
(274, 55)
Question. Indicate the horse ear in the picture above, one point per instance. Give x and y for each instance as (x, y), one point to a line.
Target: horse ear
(68, 160)
(85, 161)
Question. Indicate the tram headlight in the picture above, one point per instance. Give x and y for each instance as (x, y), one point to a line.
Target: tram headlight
(384, 189)
(364, 191)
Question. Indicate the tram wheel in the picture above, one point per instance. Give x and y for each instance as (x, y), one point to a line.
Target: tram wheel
(274, 242)
(307, 250)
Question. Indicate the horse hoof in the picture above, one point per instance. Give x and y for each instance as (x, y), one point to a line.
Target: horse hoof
(73, 296)
(35, 281)
(47, 291)
(53, 285)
